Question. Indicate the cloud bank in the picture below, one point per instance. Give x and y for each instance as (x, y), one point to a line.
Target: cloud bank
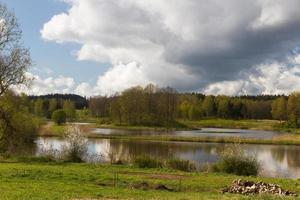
(232, 46)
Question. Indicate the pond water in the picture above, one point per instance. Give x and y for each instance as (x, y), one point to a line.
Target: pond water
(275, 160)
(204, 132)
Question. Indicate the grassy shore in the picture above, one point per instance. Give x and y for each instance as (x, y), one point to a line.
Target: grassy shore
(52, 130)
(84, 181)
(234, 124)
(288, 139)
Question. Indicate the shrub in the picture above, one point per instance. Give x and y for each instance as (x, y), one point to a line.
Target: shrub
(182, 165)
(75, 149)
(147, 162)
(59, 117)
(18, 128)
(234, 161)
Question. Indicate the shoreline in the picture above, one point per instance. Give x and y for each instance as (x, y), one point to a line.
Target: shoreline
(279, 140)
(52, 130)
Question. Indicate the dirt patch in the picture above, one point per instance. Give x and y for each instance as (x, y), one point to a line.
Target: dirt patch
(141, 186)
(163, 187)
(145, 186)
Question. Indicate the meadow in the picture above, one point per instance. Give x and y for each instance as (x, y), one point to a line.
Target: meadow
(36, 180)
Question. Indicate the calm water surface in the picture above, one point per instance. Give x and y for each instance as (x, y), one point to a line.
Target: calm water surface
(204, 132)
(275, 160)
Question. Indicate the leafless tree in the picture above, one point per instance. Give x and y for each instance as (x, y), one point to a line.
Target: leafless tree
(14, 58)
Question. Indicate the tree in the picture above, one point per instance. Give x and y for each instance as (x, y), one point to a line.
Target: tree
(59, 117)
(52, 106)
(17, 126)
(14, 58)
(185, 108)
(223, 106)
(293, 108)
(279, 107)
(38, 107)
(69, 108)
(208, 106)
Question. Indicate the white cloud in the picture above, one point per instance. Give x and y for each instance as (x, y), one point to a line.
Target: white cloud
(40, 86)
(269, 78)
(121, 77)
(184, 44)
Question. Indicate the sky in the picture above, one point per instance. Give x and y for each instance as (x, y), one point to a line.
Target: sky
(100, 47)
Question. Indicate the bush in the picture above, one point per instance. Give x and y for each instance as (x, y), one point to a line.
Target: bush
(59, 117)
(182, 165)
(76, 148)
(147, 162)
(234, 161)
(18, 128)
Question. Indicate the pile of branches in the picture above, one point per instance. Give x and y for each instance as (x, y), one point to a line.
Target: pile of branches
(249, 188)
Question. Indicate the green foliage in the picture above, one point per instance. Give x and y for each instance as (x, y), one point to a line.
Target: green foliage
(59, 117)
(279, 108)
(153, 106)
(137, 106)
(292, 122)
(234, 161)
(223, 106)
(52, 106)
(38, 107)
(208, 106)
(182, 165)
(83, 115)
(293, 110)
(69, 108)
(147, 162)
(17, 126)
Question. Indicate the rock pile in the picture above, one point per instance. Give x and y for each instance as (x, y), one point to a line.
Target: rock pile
(249, 187)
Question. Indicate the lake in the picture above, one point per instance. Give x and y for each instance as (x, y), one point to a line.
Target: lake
(204, 132)
(275, 160)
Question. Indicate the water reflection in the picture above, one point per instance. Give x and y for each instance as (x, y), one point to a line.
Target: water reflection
(206, 132)
(275, 160)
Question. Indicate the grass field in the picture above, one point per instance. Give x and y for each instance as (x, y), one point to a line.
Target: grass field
(235, 124)
(84, 181)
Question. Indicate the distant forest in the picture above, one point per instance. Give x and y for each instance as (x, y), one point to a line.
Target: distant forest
(156, 106)
(80, 102)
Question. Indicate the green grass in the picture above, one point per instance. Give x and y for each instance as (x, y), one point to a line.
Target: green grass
(175, 125)
(290, 139)
(235, 124)
(82, 181)
(51, 129)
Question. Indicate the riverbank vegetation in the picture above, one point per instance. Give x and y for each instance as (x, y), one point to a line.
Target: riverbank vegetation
(159, 108)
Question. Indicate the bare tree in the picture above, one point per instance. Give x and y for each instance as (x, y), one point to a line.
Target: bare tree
(14, 58)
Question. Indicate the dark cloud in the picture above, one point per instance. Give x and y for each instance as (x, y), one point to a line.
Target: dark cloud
(187, 44)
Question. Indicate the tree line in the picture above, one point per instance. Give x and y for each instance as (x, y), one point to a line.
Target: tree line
(155, 106)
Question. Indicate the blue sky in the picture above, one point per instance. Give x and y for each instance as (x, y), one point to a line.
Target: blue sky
(50, 56)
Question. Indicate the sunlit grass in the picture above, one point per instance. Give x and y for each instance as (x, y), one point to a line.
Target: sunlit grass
(75, 181)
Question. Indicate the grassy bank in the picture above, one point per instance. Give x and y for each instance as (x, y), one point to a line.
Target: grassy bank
(289, 139)
(174, 125)
(268, 125)
(84, 181)
(234, 124)
(52, 130)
